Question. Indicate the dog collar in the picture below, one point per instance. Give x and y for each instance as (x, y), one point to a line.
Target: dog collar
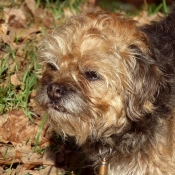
(103, 168)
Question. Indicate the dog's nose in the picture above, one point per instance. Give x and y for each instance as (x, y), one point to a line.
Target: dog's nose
(55, 91)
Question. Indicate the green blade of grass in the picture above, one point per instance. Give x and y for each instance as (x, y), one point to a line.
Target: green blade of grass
(165, 7)
(40, 130)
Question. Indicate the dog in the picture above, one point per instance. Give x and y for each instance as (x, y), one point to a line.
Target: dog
(110, 84)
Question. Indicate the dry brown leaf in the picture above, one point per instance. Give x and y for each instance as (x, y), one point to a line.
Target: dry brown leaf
(3, 119)
(23, 148)
(48, 20)
(1, 170)
(145, 18)
(52, 170)
(3, 29)
(47, 170)
(17, 129)
(6, 38)
(15, 17)
(22, 154)
(31, 159)
(92, 2)
(32, 172)
(7, 153)
(29, 33)
(31, 4)
(14, 79)
(15, 25)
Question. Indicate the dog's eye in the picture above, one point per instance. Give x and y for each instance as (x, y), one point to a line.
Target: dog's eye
(91, 75)
(51, 67)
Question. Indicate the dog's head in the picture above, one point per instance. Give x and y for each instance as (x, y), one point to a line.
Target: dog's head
(98, 77)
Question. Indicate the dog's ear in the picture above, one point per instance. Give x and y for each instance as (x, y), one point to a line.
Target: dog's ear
(152, 71)
(161, 37)
(145, 83)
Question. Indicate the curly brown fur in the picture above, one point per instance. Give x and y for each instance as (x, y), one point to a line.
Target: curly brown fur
(110, 84)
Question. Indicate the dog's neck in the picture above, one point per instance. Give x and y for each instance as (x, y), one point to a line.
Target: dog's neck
(125, 144)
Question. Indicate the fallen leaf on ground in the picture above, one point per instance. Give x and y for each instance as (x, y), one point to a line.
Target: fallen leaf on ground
(15, 80)
(31, 4)
(17, 129)
(15, 17)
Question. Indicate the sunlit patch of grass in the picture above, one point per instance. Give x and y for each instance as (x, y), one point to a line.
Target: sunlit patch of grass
(17, 96)
(57, 7)
(165, 6)
(153, 8)
(8, 171)
(39, 133)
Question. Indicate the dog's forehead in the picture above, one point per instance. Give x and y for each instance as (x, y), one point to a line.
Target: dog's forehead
(90, 34)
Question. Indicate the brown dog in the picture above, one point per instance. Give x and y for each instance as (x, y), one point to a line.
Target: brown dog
(111, 85)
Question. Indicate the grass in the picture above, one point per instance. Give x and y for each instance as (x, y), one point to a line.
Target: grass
(39, 132)
(153, 9)
(17, 96)
(57, 7)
